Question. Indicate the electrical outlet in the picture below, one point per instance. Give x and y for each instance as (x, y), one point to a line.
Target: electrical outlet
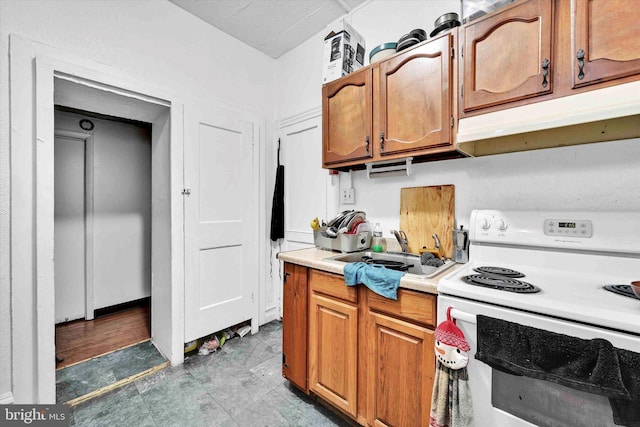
(348, 196)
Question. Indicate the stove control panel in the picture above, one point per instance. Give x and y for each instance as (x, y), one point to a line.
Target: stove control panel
(601, 231)
(491, 224)
(568, 227)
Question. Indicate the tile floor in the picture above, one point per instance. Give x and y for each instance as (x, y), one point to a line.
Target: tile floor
(83, 378)
(240, 385)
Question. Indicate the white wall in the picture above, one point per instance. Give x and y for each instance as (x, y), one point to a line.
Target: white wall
(121, 208)
(601, 176)
(593, 176)
(155, 40)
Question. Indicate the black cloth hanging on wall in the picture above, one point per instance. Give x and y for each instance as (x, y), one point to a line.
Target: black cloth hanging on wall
(277, 209)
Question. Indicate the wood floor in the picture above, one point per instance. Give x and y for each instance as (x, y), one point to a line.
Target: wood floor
(81, 340)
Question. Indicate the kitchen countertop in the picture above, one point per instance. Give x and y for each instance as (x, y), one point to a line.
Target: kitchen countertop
(317, 258)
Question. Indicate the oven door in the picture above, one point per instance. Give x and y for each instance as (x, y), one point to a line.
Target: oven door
(506, 400)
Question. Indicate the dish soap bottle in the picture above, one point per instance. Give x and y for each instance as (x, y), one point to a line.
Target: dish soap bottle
(376, 243)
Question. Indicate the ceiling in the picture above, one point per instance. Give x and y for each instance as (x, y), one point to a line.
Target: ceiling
(271, 26)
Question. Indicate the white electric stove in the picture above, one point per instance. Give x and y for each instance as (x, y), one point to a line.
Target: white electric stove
(548, 270)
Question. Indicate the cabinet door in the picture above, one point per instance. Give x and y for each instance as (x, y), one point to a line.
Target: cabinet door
(294, 325)
(606, 42)
(401, 372)
(507, 55)
(333, 342)
(346, 119)
(414, 98)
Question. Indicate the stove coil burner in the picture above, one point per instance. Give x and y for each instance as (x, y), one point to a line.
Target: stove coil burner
(393, 265)
(501, 283)
(621, 290)
(500, 271)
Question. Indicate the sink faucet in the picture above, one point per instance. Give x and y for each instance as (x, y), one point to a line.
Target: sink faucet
(402, 239)
(437, 241)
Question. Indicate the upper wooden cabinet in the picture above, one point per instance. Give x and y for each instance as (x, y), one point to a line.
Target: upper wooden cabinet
(413, 99)
(508, 55)
(346, 119)
(402, 106)
(606, 42)
(538, 50)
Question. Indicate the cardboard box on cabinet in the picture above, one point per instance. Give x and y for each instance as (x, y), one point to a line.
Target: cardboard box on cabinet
(343, 53)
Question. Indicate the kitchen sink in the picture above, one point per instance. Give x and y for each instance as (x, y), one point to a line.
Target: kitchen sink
(410, 263)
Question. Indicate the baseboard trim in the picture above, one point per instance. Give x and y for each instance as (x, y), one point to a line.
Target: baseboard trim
(271, 313)
(6, 398)
(142, 302)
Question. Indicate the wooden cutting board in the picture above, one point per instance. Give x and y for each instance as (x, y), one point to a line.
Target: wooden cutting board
(425, 211)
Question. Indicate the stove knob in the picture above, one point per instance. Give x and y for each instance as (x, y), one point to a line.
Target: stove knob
(502, 226)
(485, 224)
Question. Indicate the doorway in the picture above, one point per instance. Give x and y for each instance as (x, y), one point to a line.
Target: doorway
(35, 68)
(102, 234)
(123, 177)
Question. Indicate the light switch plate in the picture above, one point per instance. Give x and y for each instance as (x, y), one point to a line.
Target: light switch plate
(348, 196)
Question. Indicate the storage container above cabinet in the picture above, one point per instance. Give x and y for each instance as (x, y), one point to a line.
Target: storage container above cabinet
(343, 53)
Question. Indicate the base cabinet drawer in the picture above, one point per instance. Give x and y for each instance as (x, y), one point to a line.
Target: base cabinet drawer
(332, 285)
(414, 306)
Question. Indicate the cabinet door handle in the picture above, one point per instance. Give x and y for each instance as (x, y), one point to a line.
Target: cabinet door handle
(381, 141)
(545, 71)
(580, 58)
(366, 142)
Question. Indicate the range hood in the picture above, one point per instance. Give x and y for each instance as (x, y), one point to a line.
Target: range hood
(608, 114)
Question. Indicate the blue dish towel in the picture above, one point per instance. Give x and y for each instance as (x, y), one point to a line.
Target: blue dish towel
(378, 278)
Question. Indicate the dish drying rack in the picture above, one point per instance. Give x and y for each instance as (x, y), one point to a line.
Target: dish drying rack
(347, 232)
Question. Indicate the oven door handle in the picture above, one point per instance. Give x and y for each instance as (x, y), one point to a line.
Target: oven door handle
(463, 316)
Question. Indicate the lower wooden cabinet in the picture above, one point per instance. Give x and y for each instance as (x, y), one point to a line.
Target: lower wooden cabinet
(294, 325)
(401, 371)
(333, 340)
(333, 351)
(370, 357)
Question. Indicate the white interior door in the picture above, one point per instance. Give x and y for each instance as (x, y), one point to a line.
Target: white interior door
(69, 228)
(305, 183)
(306, 186)
(221, 222)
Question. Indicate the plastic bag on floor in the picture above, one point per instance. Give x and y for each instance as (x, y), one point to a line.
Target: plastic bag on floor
(209, 346)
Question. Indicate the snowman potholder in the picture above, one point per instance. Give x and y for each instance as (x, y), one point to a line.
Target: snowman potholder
(451, 346)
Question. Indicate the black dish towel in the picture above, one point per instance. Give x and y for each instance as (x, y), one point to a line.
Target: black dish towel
(277, 208)
(593, 366)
